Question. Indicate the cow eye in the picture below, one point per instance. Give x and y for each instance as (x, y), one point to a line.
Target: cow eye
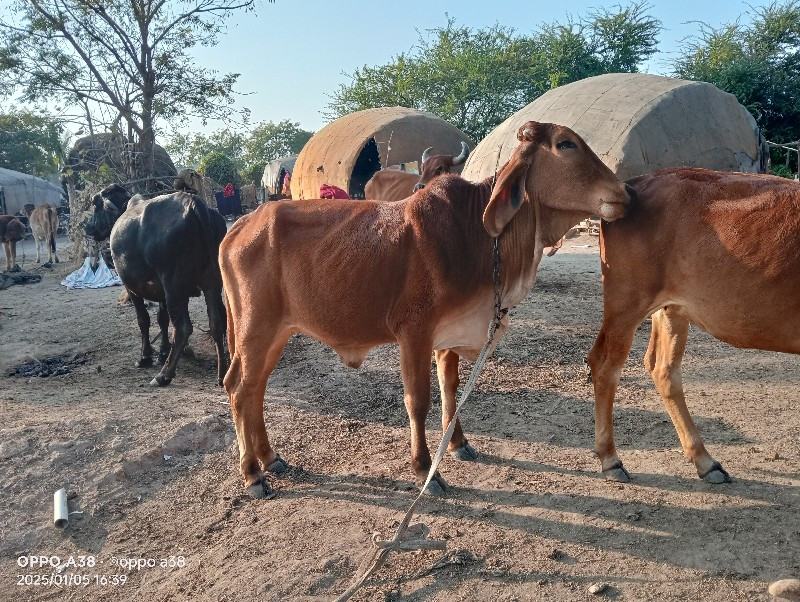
(566, 144)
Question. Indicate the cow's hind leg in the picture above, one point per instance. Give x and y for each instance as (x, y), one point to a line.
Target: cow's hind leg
(9, 259)
(447, 371)
(415, 364)
(143, 319)
(246, 383)
(163, 325)
(606, 359)
(663, 361)
(178, 309)
(53, 254)
(38, 254)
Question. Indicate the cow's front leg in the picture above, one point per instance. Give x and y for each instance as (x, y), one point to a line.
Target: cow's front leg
(447, 371)
(179, 314)
(163, 324)
(143, 319)
(606, 359)
(415, 364)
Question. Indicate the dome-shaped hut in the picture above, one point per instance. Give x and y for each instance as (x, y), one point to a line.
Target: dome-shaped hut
(637, 123)
(274, 173)
(348, 151)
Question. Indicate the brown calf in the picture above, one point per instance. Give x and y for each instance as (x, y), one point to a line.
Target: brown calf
(719, 250)
(11, 231)
(44, 225)
(356, 274)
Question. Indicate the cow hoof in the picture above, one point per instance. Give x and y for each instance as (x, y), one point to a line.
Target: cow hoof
(716, 475)
(278, 466)
(160, 381)
(145, 362)
(617, 473)
(438, 487)
(466, 453)
(261, 490)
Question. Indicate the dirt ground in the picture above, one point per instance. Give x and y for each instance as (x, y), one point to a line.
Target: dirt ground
(154, 471)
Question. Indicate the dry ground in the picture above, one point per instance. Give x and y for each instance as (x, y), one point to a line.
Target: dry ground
(154, 471)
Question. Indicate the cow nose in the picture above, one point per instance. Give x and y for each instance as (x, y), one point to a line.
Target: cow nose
(631, 191)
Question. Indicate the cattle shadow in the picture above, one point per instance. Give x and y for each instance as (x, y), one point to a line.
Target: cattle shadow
(700, 538)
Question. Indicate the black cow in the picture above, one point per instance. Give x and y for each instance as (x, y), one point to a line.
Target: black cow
(165, 249)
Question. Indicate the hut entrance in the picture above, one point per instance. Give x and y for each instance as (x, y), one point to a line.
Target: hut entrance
(368, 162)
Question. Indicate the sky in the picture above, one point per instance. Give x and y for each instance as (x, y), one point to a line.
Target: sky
(292, 54)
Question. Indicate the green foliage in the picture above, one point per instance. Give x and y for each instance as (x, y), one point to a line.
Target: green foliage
(190, 150)
(783, 170)
(220, 168)
(269, 140)
(477, 78)
(249, 152)
(122, 66)
(30, 143)
(758, 62)
(253, 173)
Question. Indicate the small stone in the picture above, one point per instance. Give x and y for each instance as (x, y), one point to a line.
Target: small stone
(598, 588)
(556, 554)
(786, 589)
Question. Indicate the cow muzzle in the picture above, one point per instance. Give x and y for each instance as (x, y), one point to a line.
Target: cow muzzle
(613, 210)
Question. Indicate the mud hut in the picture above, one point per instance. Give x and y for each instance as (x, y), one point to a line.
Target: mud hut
(346, 152)
(637, 123)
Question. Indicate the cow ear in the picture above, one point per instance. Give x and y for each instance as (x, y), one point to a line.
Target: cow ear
(507, 197)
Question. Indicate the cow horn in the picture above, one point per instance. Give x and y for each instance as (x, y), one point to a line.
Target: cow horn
(426, 153)
(463, 156)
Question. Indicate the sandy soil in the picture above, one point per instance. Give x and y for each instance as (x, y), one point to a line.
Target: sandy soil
(154, 471)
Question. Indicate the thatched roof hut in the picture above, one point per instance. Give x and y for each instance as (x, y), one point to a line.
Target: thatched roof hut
(90, 153)
(637, 123)
(346, 152)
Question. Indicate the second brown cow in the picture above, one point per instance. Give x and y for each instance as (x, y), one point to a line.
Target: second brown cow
(719, 250)
(393, 185)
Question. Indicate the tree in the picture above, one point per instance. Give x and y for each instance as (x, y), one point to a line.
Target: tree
(220, 168)
(269, 140)
(190, 150)
(30, 143)
(758, 62)
(124, 64)
(249, 152)
(477, 78)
